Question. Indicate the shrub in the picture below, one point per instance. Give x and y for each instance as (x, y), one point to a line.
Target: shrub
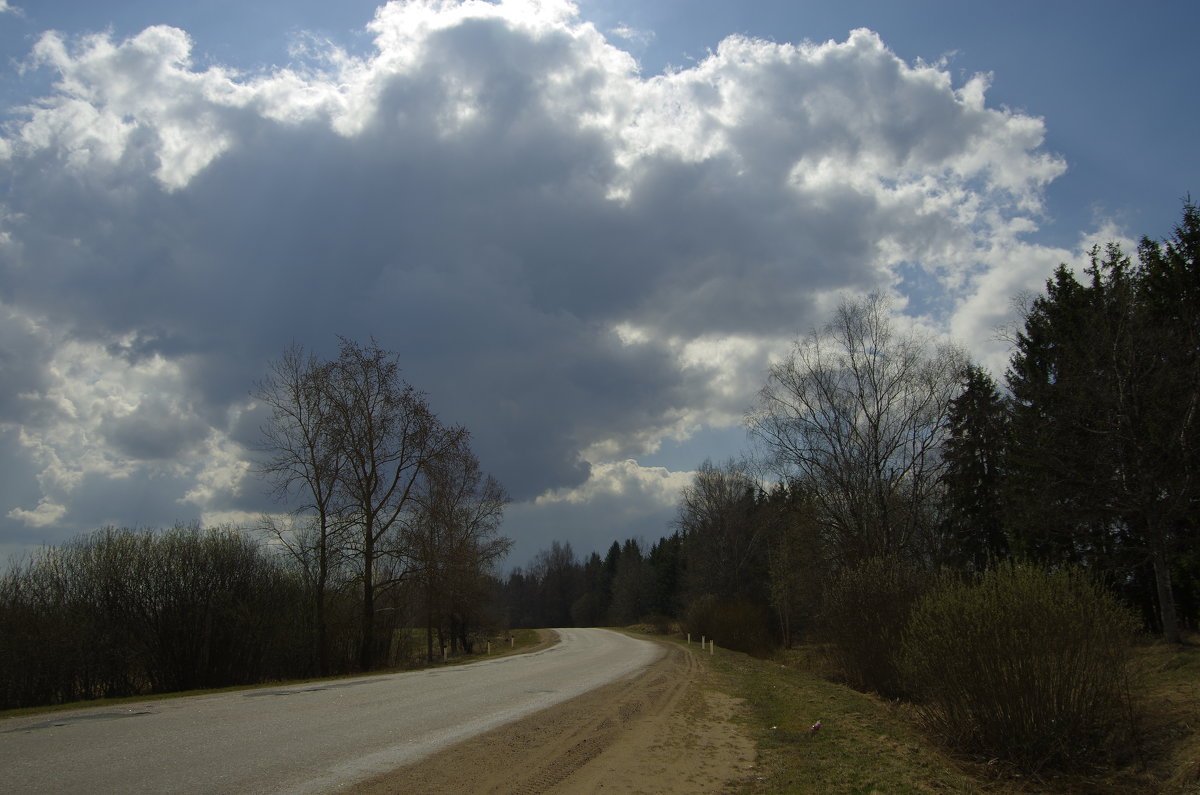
(737, 624)
(658, 624)
(1023, 664)
(862, 618)
(120, 613)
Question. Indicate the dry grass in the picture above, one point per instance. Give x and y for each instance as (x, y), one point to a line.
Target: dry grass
(864, 744)
(1169, 715)
(869, 745)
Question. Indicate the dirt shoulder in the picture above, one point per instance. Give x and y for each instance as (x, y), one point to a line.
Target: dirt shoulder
(666, 730)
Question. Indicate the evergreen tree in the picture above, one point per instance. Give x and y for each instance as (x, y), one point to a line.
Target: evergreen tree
(666, 562)
(632, 586)
(1105, 381)
(1165, 414)
(591, 608)
(1056, 442)
(973, 524)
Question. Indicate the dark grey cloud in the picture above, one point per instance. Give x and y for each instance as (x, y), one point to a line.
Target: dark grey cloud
(547, 240)
(23, 353)
(153, 431)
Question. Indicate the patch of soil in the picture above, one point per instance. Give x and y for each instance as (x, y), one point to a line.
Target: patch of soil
(665, 730)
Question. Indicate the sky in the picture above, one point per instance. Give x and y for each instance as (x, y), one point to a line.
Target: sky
(586, 229)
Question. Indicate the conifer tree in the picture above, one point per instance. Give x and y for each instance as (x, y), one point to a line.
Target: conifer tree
(1105, 381)
(973, 521)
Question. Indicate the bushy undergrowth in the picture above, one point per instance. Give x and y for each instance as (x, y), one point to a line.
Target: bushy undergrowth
(123, 613)
(862, 620)
(740, 625)
(1022, 664)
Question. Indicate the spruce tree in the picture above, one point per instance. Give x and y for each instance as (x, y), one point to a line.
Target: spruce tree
(1105, 383)
(972, 520)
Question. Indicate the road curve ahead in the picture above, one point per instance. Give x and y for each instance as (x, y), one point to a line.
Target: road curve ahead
(309, 738)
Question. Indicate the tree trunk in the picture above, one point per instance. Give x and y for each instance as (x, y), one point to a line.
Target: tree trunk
(428, 626)
(322, 639)
(366, 652)
(322, 578)
(1166, 598)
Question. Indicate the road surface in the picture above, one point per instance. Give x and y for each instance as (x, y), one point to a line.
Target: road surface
(310, 738)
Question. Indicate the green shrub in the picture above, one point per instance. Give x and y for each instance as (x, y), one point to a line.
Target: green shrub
(863, 613)
(1023, 664)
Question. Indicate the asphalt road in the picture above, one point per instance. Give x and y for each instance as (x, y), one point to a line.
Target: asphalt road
(316, 737)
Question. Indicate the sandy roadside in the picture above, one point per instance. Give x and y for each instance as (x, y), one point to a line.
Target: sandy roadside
(666, 730)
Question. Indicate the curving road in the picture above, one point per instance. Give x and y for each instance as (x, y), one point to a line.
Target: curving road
(316, 737)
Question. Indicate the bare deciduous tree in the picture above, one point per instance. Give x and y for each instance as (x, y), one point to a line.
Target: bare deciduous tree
(857, 414)
(722, 540)
(305, 462)
(392, 493)
(453, 540)
(389, 437)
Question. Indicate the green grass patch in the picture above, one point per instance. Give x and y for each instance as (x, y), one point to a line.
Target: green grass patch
(864, 745)
(869, 745)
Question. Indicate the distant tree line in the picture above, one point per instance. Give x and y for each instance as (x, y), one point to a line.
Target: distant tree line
(880, 445)
(629, 583)
(386, 550)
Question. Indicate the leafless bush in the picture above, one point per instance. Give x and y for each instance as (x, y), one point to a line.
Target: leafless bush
(122, 612)
(1024, 664)
(863, 613)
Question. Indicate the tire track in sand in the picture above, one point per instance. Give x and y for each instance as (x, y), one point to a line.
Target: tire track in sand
(659, 731)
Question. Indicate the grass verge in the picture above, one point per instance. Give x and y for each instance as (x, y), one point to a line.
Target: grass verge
(869, 745)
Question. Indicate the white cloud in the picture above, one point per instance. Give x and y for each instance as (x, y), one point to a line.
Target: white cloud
(106, 414)
(624, 479)
(45, 514)
(635, 36)
(140, 93)
(985, 316)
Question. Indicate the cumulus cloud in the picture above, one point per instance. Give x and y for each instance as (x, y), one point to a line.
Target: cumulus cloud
(573, 260)
(619, 478)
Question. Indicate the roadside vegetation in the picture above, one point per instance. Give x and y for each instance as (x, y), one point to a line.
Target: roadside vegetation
(867, 743)
(991, 563)
(381, 557)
